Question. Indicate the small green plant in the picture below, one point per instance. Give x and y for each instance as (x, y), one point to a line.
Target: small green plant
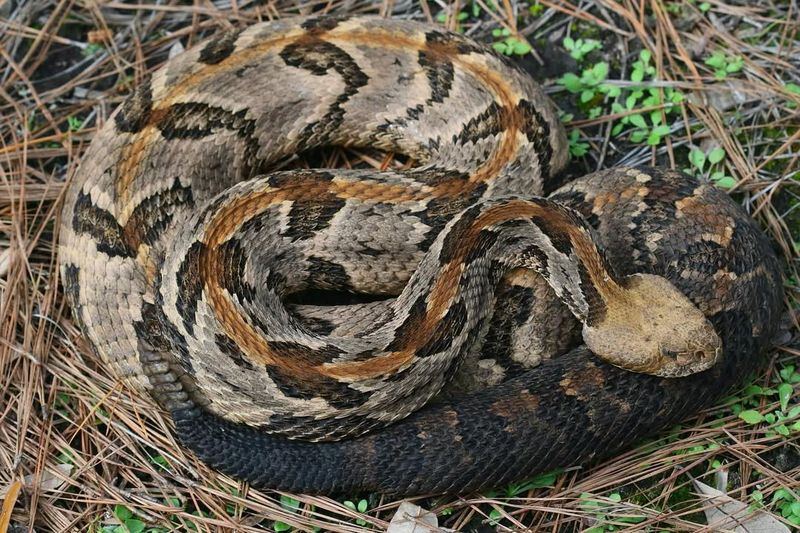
(652, 131)
(130, 524)
(536, 9)
(698, 160)
(783, 421)
(724, 64)
(74, 123)
(509, 44)
(788, 504)
(291, 505)
(542, 481)
(590, 83)
(362, 506)
(579, 48)
(642, 67)
(795, 90)
(577, 148)
(601, 509)
(91, 49)
(461, 16)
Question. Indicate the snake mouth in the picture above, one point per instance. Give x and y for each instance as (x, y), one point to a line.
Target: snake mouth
(677, 364)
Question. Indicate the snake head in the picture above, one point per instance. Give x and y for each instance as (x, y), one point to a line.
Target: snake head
(653, 328)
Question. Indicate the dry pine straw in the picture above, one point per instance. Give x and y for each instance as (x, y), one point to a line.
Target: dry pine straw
(74, 444)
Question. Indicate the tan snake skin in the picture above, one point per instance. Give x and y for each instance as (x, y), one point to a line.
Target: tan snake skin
(178, 256)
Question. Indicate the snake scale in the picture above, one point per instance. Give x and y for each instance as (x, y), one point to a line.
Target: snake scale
(180, 257)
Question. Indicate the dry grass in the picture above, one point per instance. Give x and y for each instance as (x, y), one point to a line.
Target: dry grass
(77, 444)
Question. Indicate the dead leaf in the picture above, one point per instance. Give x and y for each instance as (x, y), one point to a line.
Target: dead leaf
(8, 504)
(49, 480)
(726, 514)
(410, 518)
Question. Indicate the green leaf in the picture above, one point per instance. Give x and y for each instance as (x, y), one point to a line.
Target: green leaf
(497, 32)
(645, 56)
(600, 71)
(661, 130)
(521, 48)
(793, 88)
(697, 158)
(122, 513)
(569, 43)
(638, 121)
(500, 47)
(545, 480)
(571, 82)
(637, 75)
(638, 136)
(611, 90)
(705, 6)
(279, 526)
(783, 430)
(134, 526)
(751, 416)
(653, 139)
(362, 506)
(655, 118)
(794, 411)
(716, 155)
(289, 503)
(753, 390)
(652, 100)
(716, 60)
(735, 64)
(350, 505)
(587, 96)
(781, 494)
(785, 392)
(726, 182)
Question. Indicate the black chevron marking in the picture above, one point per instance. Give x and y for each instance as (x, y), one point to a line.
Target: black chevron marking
(319, 57)
(135, 111)
(89, 219)
(220, 48)
(149, 219)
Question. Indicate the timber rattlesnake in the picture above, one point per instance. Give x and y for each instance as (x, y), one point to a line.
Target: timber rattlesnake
(177, 264)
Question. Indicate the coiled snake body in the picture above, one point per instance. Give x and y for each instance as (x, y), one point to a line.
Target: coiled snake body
(177, 258)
